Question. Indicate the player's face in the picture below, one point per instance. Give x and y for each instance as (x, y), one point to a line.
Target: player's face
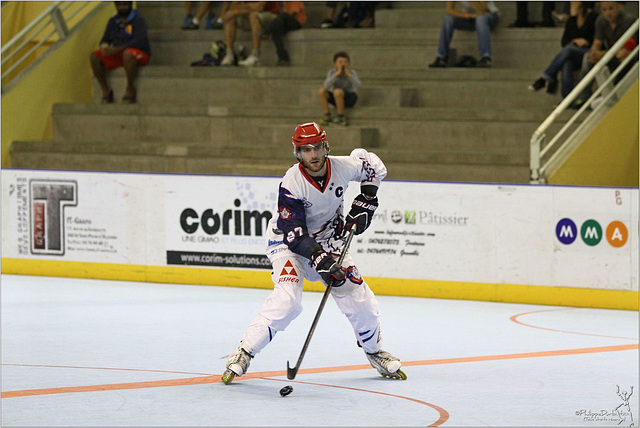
(313, 158)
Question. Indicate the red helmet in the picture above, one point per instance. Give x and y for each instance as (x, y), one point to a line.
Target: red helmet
(308, 134)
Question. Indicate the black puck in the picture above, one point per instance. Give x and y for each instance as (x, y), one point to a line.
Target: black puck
(286, 390)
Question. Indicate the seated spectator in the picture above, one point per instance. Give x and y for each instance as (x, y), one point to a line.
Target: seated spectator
(480, 16)
(522, 15)
(124, 44)
(339, 89)
(612, 23)
(293, 18)
(576, 41)
(248, 15)
(354, 14)
(192, 22)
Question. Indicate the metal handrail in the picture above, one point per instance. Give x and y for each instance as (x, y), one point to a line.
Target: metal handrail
(537, 148)
(52, 15)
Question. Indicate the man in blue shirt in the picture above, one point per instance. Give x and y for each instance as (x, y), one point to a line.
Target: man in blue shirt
(124, 44)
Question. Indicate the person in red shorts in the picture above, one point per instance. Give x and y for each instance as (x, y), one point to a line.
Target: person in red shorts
(124, 44)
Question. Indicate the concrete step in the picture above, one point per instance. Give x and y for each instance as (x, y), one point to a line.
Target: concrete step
(169, 14)
(269, 112)
(177, 159)
(418, 128)
(393, 74)
(442, 88)
(280, 153)
(520, 48)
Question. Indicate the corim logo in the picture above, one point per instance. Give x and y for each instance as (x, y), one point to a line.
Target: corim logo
(591, 232)
(47, 204)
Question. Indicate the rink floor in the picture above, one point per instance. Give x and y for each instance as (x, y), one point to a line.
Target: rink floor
(106, 353)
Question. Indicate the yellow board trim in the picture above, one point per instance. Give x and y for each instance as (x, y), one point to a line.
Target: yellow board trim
(506, 293)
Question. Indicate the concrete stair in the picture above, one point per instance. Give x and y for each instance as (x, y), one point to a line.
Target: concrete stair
(427, 124)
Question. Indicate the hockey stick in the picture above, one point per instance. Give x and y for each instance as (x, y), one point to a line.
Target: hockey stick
(292, 371)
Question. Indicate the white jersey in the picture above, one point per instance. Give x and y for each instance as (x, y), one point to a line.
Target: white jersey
(308, 208)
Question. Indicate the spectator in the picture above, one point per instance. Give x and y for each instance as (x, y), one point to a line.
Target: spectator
(293, 18)
(248, 15)
(335, 17)
(480, 16)
(612, 23)
(522, 15)
(192, 22)
(576, 41)
(124, 44)
(339, 89)
(354, 14)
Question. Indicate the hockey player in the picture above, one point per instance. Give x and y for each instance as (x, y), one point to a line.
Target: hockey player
(304, 238)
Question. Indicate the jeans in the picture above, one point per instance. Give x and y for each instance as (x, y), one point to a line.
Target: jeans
(483, 25)
(568, 60)
(280, 26)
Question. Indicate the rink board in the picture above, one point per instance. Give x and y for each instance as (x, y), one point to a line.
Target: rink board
(575, 246)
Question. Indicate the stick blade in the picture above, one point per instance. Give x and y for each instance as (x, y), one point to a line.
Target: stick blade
(291, 372)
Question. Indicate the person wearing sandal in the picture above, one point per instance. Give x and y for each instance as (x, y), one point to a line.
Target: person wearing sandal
(124, 44)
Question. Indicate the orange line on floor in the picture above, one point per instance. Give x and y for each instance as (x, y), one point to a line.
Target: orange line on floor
(514, 318)
(216, 378)
(103, 368)
(444, 415)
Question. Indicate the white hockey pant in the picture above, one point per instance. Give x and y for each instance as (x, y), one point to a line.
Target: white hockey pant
(354, 299)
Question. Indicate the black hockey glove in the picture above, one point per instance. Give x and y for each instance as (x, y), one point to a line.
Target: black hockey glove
(361, 213)
(328, 268)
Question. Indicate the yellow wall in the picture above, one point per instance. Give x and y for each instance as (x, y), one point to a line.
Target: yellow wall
(609, 155)
(64, 76)
(510, 293)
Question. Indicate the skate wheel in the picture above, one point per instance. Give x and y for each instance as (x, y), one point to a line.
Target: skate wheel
(399, 375)
(228, 376)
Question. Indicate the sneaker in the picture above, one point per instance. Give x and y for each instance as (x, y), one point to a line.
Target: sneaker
(327, 23)
(438, 63)
(577, 104)
(339, 121)
(485, 62)
(191, 25)
(218, 24)
(228, 59)
(209, 22)
(596, 102)
(326, 120)
(239, 361)
(537, 85)
(251, 61)
(186, 21)
(384, 362)
(552, 87)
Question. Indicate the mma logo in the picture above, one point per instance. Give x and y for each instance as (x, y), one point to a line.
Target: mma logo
(47, 204)
(591, 232)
